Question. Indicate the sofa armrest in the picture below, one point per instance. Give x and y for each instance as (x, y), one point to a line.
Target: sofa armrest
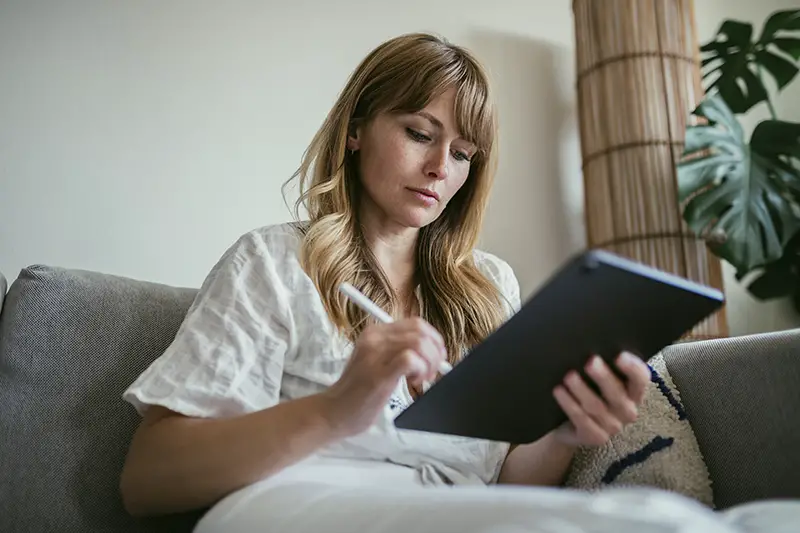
(3, 289)
(742, 398)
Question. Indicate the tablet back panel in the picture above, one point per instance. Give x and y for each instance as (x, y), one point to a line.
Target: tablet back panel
(598, 303)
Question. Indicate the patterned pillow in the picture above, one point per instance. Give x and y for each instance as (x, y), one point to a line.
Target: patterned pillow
(658, 450)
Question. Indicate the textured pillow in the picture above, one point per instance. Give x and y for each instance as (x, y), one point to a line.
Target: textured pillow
(658, 450)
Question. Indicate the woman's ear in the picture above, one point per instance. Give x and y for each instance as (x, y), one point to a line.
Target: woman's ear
(353, 142)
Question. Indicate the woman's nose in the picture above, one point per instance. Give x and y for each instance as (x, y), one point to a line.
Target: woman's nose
(437, 164)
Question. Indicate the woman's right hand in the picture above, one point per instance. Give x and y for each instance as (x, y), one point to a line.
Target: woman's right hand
(383, 353)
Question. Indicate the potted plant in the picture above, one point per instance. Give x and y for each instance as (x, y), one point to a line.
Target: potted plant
(743, 196)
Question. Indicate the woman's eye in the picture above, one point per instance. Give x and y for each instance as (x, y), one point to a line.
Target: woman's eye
(461, 156)
(417, 136)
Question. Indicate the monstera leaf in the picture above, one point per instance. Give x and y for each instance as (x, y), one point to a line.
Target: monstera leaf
(780, 278)
(740, 195)
(737, 60)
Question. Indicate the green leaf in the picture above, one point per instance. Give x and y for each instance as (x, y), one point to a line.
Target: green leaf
(738, 32)
(789, 45)
(780, 278)
(738, 189)
(703, 138)
(737, 97)
(777, 281)
(718, 112)
(780, 20)
(781, 69)
(776, 138)
(732, 60)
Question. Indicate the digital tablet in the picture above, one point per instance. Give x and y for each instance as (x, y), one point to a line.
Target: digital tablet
(597, 303)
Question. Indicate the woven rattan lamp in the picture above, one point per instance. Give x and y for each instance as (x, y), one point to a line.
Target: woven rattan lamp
(638, 78)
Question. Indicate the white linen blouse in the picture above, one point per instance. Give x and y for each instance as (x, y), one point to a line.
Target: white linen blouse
(257, 334)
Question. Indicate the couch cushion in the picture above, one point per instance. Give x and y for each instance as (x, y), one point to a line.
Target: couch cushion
(3, 288)
(741, 396)
(658, 450)
(70, 343)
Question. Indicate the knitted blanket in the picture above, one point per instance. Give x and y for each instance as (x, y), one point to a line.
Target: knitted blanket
(658, 450)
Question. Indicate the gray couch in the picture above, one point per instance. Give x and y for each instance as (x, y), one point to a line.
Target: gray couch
(71, 341)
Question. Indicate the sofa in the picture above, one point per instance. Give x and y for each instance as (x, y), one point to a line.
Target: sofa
(72, 340)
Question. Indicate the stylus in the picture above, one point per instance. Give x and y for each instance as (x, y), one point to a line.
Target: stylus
(379, 314)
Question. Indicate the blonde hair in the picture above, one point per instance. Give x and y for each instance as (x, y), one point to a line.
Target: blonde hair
(401, 76)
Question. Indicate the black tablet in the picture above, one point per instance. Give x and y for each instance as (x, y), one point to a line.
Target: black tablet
(597, 303)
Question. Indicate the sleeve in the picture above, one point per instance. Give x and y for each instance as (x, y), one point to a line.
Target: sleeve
(502, 275)
(228, 355)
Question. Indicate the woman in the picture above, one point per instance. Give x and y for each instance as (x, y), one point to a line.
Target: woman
(276, 380)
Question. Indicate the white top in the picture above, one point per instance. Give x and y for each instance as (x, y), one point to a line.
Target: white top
(258, 334)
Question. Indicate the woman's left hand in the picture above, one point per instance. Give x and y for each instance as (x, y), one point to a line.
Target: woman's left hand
(593, 419)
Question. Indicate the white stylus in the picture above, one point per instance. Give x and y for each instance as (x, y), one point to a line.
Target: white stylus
(379, 314)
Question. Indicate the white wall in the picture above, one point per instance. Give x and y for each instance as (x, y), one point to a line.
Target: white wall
(141, 138)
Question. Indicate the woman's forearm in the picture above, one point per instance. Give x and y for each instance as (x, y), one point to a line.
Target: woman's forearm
(543, 462)
(177, 463)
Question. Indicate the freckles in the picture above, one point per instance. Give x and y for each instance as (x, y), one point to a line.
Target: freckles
(388, 155)
(394, 145)
(406, 154)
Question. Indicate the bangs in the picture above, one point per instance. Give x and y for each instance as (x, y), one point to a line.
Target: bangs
(410, 84)
(474, 112)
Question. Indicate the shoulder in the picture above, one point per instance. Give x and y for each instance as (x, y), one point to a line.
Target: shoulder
(275, 240)
(492, 265)
(499, 272)
(266, 254)
(273, 248)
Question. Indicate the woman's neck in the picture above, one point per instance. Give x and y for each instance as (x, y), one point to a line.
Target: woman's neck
(396, 254)
(395, 249)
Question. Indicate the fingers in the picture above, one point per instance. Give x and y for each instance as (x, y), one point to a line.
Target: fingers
(592, 405)
(418, 334)
(427, 349)
(621, 405)
(586, 429)
(594, 417)
(409, 363)
(413, 348)
(638, 374)
(422, 327)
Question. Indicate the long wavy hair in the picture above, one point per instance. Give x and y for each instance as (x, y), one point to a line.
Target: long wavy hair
(403, 75)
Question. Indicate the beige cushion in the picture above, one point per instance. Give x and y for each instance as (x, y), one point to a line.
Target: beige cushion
(658, 450)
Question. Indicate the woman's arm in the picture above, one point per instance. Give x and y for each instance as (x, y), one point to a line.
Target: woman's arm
(543, 462)
(177, 463)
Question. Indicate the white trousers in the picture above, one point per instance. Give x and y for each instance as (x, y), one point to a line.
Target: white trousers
(355, 502)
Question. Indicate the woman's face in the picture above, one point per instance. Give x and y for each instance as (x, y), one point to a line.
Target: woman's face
(411, 165)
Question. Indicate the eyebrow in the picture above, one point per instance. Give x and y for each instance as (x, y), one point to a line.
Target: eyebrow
(437, 123)
(433, 120)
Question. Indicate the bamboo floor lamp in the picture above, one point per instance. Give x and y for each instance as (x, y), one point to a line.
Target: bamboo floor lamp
(638, 79)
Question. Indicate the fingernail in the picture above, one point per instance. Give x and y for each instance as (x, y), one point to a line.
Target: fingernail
(596, 363)
(628, 358)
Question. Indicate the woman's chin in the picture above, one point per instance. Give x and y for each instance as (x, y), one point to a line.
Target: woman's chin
(418, 218)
